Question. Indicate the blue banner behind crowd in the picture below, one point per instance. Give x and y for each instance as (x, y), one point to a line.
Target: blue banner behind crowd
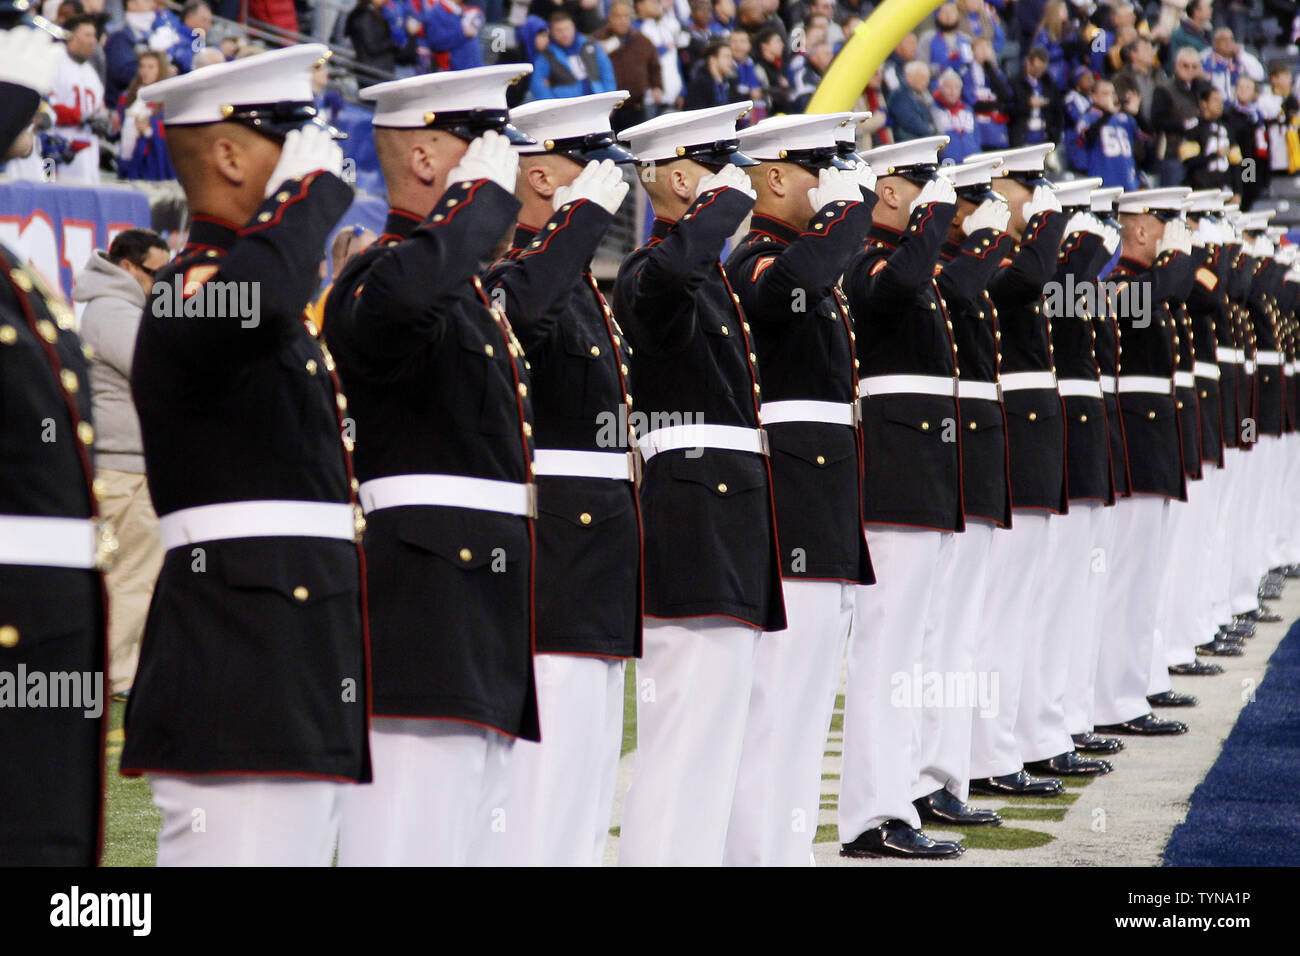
(56, 227)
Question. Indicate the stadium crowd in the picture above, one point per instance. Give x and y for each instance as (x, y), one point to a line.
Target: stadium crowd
(1136, 93)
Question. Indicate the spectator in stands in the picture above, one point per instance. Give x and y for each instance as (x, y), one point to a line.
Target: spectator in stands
(1028, 15)
(196, 22)
(1175, 111)
(1249, 131)
(1036, 112)
(724, 15)
(950, 47)
(753, 16)
(903, 54)
(374, 49)
(1109, 138)
(1139, 72)
(77, 98)
(1077, 104)
(815, 63)
(1058, 37)
(952, 116)
(145, 27)
(701, 31)
(714, 81)
(451, 31)
(142, 151)
(280, 14)
(770, 66)
(909, 105)
(989, 94)
(983, 22)
(1210, 164)
(748, 83)
(1219, 63)
(114, 287)
(1281, 112)
(802, 39)
(585, 13)
(636, 65)
(570, 64)
(660, 27)
(1194, 28)
(349, 242)
(826, 9)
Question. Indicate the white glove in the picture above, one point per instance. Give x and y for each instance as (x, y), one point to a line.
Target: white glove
(1109, 238)
(939, 189)
(1264, 247)
(1080, 222)
(834, 185)
(990, 214)
(1043, 200)
(164, 38)
(28, 57)
(729, 176)
(1177, 238)
(1285, 255)
(489, 156)
(306, 150)
(601, 182)
(866, 176)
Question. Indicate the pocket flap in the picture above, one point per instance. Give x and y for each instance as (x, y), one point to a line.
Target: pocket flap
(467, 542)
(819, 450)
(302, 571)
(584, 503)
(724, 474)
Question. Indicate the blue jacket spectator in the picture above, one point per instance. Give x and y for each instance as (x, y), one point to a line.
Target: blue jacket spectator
(451, 31)
(953, 117)
(570, 64)
(986, 89)
(196, 24)
(908, 107)
(1077, 104)
(145, 28)
(1109, 136)
(949, 47)
(985, 24)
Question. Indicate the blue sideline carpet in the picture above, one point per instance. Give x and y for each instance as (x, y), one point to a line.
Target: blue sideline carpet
(1246, 812)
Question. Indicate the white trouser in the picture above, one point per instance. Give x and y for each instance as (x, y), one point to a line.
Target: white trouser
(944, 760)
(1244, 533)
(1059, 624)
(1129, 622)
(692, 698)
(438, 798)
(778, 789)
(1276, 504)
(1289, 499)
(1017, 557)
(560, 792)
(1081, 688)
(247, 821)
(886, 655)
(1186, 617)
(1224, 541)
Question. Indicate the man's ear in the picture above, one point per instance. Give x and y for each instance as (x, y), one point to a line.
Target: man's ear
(888, 195)
(229, 160)
(423, 165)
(775, 177)
(539, 180)
(682, 186)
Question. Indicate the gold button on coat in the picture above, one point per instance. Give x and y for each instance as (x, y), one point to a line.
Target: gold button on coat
(300, 593)
(466, 554)
(8, 636)
(584, 518)
(722, 487)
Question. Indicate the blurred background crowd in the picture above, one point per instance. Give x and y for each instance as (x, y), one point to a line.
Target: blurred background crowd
(1159, 93)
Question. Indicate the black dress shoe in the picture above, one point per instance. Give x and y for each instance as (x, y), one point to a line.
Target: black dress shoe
(1230, 637)
(1070, 764)
(1018, 784)
(1291, 571)
(1195, 669)
(1171, 699)
(1219, 649)
(1148, 725)
(1239, 628)
(1260, 615)
(896, 838)
(1090, 743)
(944, 808)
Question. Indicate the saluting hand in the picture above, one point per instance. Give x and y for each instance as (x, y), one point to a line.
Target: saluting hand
(834, 185)
(1043, 200)
(728, 177)
(939, 189)
(993, 213)
(866, 178)
(488, 157)
(602, 182)
(29, 58)
(307, 150)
